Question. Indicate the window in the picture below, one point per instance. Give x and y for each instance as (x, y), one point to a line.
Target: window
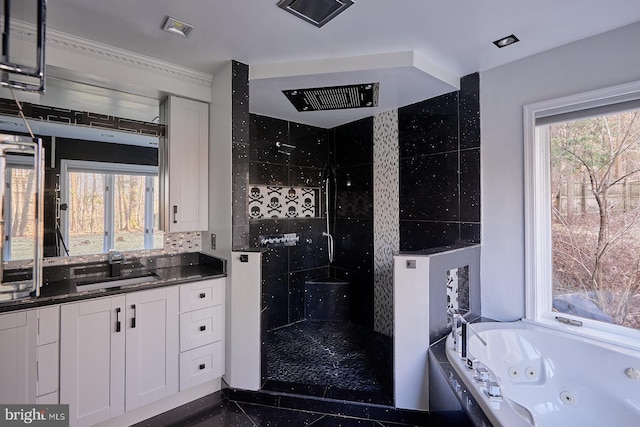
(19, 230)
(108, 206)
(582, 212)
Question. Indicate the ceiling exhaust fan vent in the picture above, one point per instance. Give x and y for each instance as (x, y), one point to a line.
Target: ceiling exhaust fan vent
(334, 97)
(317, 12)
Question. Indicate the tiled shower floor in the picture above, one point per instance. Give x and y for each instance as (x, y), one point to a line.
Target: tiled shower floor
(340, 360)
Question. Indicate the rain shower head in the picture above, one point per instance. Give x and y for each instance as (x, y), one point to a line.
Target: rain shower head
(334, 97)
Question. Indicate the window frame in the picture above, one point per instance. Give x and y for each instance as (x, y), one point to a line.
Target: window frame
(109, 170)
(537, 214)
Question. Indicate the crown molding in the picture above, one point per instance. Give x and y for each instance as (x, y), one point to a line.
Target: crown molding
(95, 50)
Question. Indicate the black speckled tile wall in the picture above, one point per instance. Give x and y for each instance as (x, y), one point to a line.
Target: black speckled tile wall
(429, 187)
(352, 158)
(470, 111)
(355, 191)
(264, 133)
(429, 126)
(240, 152)
(239, 102)
(275, 297)
(297, 281)
(307, 152)
(354, 143)
(311, 145)
(470, 185)
(440, 169)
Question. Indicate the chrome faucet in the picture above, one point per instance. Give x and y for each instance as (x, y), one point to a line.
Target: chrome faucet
(115, 259)
(458, 319)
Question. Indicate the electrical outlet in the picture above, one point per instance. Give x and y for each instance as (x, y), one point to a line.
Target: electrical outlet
(213, 241)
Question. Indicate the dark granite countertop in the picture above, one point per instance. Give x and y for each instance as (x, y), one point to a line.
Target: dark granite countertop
(439, 249)
(60, 282)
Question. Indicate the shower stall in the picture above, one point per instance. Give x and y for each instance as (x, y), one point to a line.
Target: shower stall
(318, 292)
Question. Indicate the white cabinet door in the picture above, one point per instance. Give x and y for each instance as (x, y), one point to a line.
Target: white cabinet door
(152, 346)
(18, 335)
(186, 164)
(92, 359)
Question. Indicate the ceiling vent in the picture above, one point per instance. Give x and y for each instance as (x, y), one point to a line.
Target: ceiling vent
(317, 12)
(334, 97)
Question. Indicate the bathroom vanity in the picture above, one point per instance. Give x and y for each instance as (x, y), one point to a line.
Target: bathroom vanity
(166, 334)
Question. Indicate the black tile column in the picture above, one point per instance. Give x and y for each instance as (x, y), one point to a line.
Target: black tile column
(240, 153)
(440, 169)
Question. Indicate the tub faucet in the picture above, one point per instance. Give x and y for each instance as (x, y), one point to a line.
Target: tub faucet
(458, 319)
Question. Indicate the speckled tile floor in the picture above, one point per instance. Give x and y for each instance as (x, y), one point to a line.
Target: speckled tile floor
(331, 359)
(235, 414)
(228, 413)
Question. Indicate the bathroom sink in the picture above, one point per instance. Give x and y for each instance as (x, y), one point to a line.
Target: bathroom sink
(114, 282)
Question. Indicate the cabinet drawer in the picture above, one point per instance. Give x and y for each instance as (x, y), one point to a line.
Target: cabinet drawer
(200, 327)
(47, 368)
(48, 325)
(194, 296)
(13, 320)
(201, 364)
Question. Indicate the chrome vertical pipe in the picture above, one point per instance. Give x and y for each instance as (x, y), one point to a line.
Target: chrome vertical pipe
(327, 190)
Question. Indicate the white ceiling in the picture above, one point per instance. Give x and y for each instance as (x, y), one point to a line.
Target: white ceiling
(417, 49)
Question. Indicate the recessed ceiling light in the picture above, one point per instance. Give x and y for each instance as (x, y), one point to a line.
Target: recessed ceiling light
(506, 41)
(175, 26)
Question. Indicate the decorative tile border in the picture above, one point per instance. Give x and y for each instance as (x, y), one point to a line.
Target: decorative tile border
(386, 216)
(265, 201)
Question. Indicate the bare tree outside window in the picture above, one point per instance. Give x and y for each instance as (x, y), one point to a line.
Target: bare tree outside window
(595, 190)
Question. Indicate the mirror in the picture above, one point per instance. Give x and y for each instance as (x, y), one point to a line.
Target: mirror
(101, 170)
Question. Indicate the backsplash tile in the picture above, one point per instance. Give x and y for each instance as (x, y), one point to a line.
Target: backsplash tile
(174, 243)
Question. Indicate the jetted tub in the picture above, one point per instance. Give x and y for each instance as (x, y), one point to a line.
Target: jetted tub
(550, 378)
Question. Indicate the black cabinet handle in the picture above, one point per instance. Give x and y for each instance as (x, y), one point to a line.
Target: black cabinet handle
(118, 319)
(175, 214)
(203, 328)
(133, 319)
(202, 295)
(202, 366)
